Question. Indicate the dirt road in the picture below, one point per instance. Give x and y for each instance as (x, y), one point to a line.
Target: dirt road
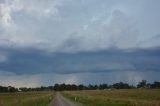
(59, 100)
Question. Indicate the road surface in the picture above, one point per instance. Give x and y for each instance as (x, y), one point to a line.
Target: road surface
(59, 100)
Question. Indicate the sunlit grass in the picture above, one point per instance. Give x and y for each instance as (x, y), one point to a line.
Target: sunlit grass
(132, 97)
(26, 99)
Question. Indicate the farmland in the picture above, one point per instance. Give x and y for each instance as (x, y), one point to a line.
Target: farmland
(107, 97)
(26, 98)
(125, 97)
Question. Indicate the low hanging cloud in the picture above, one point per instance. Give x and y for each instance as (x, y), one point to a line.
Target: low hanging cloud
(36, 80)
(48, 79)
(32, 68)
(25, 60)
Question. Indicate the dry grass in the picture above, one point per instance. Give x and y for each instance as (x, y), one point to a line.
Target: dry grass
(131, 97)
(26, 99)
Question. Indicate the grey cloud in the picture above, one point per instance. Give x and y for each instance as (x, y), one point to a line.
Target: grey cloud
(3, 58)
(50, 24)
(77, 38)
(47, 79)
(151, 42)
(32, 61)
(12, 79)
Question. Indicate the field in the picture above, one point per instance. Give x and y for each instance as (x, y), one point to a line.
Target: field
(132, 97)
(26, 98)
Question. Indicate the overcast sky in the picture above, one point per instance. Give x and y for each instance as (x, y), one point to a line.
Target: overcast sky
(43, 42)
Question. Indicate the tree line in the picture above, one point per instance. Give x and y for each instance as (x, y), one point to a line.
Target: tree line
(69, 87)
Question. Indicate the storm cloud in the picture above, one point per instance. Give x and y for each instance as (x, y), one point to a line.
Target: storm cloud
(46, 40)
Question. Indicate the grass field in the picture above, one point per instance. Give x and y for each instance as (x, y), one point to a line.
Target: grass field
(26, 98)
(132, 97)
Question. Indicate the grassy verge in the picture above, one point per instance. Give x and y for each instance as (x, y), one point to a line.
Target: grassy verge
(26, 99)
(134, 97)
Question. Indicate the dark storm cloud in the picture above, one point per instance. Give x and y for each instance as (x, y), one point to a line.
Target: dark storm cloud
(78, 41)
(30, 60)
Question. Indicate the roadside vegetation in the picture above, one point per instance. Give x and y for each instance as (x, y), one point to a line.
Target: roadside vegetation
(116, 97)
(40, 98)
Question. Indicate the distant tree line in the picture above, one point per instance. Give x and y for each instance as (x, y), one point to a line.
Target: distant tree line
(8, 89)
(69, 87)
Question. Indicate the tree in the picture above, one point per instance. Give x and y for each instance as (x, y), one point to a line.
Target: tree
(142, 84)
(103, 86)
(3, 89)
(56, 87)
(12, 89)
(156, 84)
(81, 87)
(121, 85)
(90, 87)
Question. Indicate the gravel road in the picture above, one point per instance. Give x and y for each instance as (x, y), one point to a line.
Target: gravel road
(59, 100)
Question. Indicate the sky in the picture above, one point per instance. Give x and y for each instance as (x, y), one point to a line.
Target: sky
(43, 42)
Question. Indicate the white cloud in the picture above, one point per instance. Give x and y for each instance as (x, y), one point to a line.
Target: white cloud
(42, 8)
(50, 24)
(5, 17)
(35, 9)
(38, 8)
(117, 30)
(14, 31)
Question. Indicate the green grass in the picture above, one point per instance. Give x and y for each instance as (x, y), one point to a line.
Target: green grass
(26, 98)
(131, 97)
